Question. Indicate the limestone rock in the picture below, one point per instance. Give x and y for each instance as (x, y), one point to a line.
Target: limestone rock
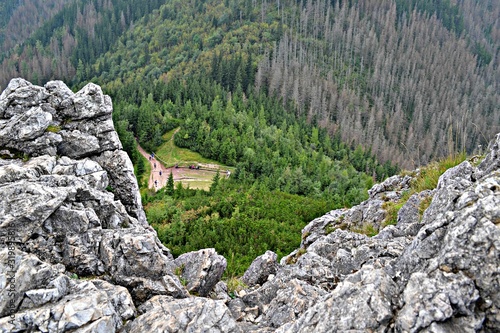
(260, 269)
(37, 296)
(162, 314)
(368, 214)
(391, 184)
(80, 208)
(317, 227)
(24, 126)
(201, 269)
(122, 179)
(25, 206)
(90, 102)
(295, 299)
(220, 292)
(20, 95)
(492, 160)
(76, 144)
(447, 302)
(360, 303)
(408, 218)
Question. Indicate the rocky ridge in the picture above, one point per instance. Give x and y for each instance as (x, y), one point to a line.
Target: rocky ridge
(77, 254)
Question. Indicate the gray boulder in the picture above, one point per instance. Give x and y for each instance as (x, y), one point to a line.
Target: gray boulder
(163, 314)
(368, 216)
(360, 303)
(260, 269)
(36, 296)
(123, 182)
(71, 207)
(201, 270)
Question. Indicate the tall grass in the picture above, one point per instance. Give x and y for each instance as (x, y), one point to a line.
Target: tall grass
(426, 179)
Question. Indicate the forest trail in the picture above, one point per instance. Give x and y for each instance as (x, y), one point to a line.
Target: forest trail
(159, 173)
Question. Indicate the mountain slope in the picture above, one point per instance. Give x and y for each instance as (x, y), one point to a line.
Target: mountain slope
(407, 87)
(409, 80)
(19, 19)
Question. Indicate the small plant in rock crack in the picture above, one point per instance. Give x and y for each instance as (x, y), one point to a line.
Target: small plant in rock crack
(178, 271)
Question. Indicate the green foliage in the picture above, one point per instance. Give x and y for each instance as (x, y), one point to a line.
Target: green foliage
(392, 208)
(428, 177)
(240, 223)
(483, 56)
(367, 229)
(234, 285)
(424, 204)
(215, 182)
(286, 170)
(253, 133)
(293, 259)
(329, 229)
(178, 271)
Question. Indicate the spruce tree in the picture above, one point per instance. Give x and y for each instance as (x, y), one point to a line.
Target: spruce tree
(170, 184)
(215, 182)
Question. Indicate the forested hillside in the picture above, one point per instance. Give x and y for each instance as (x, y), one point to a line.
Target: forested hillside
(71, 40)
(408, 85)
(409, 80)
(20, 18)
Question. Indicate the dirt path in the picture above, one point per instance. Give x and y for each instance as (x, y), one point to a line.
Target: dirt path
(159, 174)
(194, 178)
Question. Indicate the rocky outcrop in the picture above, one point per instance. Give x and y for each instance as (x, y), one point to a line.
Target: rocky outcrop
(433, 273)
(70, 207)
(36, 296)
(164, 314)
(368, 214)
(77, 254)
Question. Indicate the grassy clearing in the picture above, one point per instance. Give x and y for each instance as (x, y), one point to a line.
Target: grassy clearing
(171, 155)
(200, 184)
